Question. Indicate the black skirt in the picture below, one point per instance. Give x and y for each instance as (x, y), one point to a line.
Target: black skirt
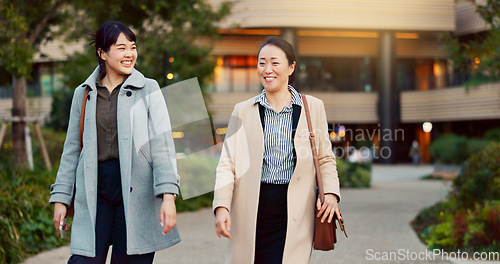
(271, 224)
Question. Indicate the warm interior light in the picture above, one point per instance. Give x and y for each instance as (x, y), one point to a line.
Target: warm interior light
(427, 127)
(171, 59)
(400, 35)
(437, 69)
(177, 134)
(170, 76)
(220, 61)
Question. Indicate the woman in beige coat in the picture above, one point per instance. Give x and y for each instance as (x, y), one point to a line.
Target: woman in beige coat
(265, 188)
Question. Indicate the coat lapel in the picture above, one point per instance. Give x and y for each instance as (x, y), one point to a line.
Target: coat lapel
(90, 153)
(301, 142)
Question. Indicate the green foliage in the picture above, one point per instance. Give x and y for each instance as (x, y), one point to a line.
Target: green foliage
(16, 53)
(54, 141)
(60, 109)
(478, 56)
(354, 175)
(23, 26)
(473, 230)
(481, 178)
(492, 135)
(26, 216)
(470, 218)
(197, 174)
(455, 149)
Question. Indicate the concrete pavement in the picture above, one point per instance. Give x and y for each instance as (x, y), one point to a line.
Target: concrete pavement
(377, 222)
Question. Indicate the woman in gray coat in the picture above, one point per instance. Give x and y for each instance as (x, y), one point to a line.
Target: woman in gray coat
(123, 178)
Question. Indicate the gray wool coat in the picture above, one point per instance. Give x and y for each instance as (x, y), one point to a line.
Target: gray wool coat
(147, 165)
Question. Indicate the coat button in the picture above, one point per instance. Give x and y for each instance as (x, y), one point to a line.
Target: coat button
(294, 218)
(129, 93)
(131, 189)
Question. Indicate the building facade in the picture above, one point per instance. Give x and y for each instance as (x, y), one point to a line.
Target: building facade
(379, 66)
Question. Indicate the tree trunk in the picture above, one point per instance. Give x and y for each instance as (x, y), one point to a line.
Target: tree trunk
(19, 110)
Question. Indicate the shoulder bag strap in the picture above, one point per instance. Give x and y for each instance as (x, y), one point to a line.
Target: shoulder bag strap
(82, 116)
(312, 137)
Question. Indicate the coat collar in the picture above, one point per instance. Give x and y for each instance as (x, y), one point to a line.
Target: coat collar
(136, 79)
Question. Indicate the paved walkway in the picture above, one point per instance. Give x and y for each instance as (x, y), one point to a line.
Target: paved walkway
(377, 221)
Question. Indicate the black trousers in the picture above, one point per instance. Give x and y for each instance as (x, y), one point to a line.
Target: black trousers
(110, 221)
(271, 224)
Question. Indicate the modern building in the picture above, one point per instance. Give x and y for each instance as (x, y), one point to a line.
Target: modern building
(379, 67)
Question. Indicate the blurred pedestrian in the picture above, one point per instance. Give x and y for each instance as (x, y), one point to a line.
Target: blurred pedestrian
(265, 185)
(415, 152)
(120, 173)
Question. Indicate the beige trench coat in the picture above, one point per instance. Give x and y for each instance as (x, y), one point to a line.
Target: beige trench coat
(238, 181)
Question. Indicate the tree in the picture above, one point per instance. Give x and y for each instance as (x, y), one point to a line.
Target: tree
(478, 56)
(23, 25)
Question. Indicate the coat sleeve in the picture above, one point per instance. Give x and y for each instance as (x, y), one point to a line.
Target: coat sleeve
(166, 179)
(326, 158)
(62, 190)
(225, 173)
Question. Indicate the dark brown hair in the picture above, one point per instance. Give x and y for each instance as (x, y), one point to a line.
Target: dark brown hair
(106, 36)
(287, 48)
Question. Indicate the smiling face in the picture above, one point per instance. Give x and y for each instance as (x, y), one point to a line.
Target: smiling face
(273, 68)
(121, 57)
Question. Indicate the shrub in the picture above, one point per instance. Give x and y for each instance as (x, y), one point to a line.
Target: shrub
(26, 216)
(454, 149)
(470, 218)
(354, 175)
(492, 135)
(449, 148)
(481, 178)
(472, 230)
(54, 141)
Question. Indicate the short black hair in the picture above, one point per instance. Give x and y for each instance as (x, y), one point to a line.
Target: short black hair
(106, 36)
(287, 48)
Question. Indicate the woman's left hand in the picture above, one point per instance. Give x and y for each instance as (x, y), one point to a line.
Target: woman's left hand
(329, 208)
(168, 213)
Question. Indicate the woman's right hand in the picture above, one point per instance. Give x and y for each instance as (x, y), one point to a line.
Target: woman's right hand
(222, 222)
(60, 211)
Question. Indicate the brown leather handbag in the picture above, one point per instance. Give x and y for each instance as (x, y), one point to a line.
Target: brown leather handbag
(71, 208)
(325, 235)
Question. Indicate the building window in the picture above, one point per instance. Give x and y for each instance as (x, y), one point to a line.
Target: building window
(236, 73)
(330, 74)
(421, 74)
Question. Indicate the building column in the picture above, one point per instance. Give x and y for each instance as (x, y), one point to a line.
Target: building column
(290, 35)
(388, 98)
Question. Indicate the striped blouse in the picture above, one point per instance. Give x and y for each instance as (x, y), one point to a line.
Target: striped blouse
(278, 163)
